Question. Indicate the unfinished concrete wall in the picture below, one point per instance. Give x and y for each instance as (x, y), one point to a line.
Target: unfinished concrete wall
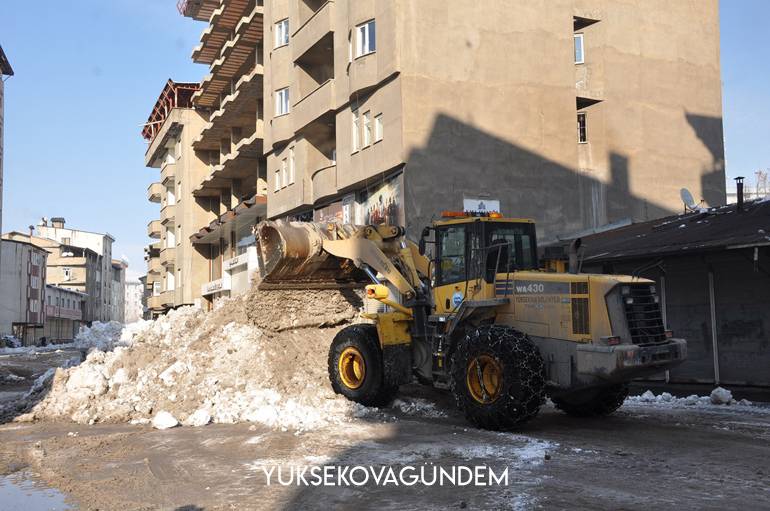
(491, 92)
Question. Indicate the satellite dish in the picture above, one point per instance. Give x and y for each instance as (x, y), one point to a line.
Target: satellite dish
(687, 198)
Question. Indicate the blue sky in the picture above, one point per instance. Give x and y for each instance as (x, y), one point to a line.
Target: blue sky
(88, 72)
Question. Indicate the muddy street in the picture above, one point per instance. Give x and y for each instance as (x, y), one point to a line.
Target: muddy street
(646, 455)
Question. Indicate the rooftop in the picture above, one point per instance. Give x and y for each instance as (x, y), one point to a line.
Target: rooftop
(173, 95)
(720, 228)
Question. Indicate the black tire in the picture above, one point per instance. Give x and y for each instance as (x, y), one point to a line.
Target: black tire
(597, 402)
(371, 391)
(517, 396)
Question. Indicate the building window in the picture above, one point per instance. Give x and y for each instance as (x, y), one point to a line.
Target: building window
(378, 127)
(282, 101)
(356, 140)
(277, 186)
(282, 33)
(366, 38)
(581, 126)
(291, 166)
(367, 128)
(67, 273)
(580, 52)
(284, 173)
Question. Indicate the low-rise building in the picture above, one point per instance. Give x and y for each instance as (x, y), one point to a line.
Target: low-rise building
(22, 290)
(63, 313)
(712, 273)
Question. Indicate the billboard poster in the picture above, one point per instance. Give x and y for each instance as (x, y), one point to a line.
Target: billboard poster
(329, 213)
(382, 204)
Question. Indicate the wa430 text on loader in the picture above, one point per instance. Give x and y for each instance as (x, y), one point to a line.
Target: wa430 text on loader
(477, 317)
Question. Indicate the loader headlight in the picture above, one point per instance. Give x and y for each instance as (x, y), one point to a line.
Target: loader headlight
(629, 301)
(625, 290)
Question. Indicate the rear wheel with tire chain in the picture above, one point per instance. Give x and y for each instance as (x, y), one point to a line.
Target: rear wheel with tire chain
(498, 377)
(355, 366)
(597, 402)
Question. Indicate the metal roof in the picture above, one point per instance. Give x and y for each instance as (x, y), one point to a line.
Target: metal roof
(720, 228)
(5, 66)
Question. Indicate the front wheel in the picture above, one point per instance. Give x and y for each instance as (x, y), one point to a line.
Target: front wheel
(355, 366)
(498, 377)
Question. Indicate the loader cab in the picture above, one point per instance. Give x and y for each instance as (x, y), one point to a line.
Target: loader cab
(473, 253)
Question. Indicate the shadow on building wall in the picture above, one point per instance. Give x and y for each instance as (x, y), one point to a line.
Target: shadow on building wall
(710, 131)
(460, 161)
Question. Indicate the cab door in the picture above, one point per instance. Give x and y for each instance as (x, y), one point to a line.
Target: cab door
(451, 267)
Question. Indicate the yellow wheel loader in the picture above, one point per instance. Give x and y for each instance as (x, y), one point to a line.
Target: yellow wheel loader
(477, 316)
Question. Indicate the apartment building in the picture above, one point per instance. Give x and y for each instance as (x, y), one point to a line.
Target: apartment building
(63, 313)
(576, 113)
(231, 98)
(70, 267)
(22, 290)
(176, 270)
(98, 243)
(5, 70)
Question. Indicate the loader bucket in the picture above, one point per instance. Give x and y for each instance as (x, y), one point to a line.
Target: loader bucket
(291, 256)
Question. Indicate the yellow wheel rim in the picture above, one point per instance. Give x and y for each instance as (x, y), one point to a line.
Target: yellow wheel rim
(484, 379)
(352, 368)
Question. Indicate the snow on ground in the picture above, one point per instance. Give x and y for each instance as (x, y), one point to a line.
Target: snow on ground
(719, 399)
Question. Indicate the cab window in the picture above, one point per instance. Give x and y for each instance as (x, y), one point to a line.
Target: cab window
(509, 247)
(451, 261)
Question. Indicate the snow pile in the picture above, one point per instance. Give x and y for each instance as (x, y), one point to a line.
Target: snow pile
(196, 368)
(719, 396)
(11, 378)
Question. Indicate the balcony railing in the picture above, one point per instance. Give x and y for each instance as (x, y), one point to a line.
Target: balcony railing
(167, 172)
(314, 105)
(167, 214)
(153, 229)
(155, 192)
(168, 256)
(313, 30)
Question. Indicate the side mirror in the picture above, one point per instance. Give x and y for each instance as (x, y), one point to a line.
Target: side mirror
(421, 245)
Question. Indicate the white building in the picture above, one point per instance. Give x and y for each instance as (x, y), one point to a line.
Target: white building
(99, 243)
(134, 310)
(63, 313)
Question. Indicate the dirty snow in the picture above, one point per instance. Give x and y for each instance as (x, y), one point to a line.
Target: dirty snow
(208, 367)
(720, 398)
(164, 420)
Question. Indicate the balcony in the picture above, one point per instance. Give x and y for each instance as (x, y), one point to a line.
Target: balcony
(324, 182)
(238, 109)
(166, 299)
(313, 30)
(153, 269)
(154, 302)
(168, 256)
(230, 58)
(167, 214)
(222, 22)
(167, 172)
(314, 105)
(153, 229)
(155, 192)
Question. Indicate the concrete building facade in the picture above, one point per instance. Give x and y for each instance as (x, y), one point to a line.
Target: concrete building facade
(231, 97)
(63, 313)
(22, 290)
(5, 70)
(177, 269)
(73, 268)
(576, 113)
(118, 291)
(99, 243)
